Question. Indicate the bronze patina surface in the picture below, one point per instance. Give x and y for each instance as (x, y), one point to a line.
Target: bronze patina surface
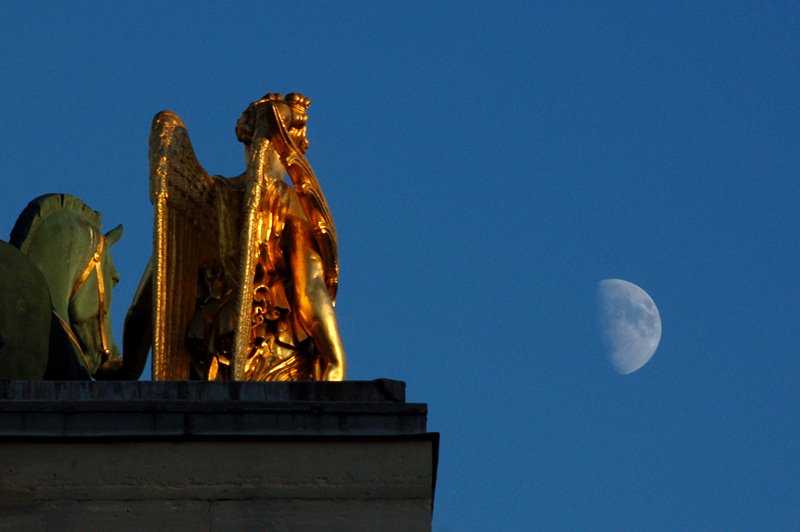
(64, 248)
(244, 271)
(24, 317)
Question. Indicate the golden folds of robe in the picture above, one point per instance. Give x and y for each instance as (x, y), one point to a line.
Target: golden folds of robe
(280, 349)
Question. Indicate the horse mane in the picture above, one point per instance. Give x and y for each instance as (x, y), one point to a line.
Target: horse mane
(40, 208)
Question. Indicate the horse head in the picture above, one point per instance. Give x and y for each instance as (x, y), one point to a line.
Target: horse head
(90, 304)
(62, 236)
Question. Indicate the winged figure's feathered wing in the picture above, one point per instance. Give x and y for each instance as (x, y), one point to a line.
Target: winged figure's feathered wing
(186, 236)
(205, 225)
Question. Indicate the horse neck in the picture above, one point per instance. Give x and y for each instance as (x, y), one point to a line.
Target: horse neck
(61, 250)
(60, 284)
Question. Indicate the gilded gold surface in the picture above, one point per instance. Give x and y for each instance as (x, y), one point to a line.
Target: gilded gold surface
(95, 265)
(245, 269)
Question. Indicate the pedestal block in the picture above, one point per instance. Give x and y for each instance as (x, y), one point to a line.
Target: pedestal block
(214, 456)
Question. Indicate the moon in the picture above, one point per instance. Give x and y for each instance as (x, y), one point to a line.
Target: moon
(630, 323)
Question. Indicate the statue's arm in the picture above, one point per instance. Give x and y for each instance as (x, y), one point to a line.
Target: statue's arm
(314, 308)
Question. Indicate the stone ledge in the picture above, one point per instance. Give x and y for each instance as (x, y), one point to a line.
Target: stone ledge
(358, 483)
(376, 391)
(210, 456)
(55, 409)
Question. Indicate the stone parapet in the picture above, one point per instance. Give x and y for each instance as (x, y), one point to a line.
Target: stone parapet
(211, 456)
(91, 409)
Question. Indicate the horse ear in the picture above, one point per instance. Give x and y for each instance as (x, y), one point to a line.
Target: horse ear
(114, 235)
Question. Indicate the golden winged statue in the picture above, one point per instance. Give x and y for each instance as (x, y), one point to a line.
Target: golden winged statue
(244, 272)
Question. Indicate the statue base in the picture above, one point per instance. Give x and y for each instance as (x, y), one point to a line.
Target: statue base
(214, 455)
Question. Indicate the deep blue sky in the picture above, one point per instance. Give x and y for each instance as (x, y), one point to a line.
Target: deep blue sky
(486, 166)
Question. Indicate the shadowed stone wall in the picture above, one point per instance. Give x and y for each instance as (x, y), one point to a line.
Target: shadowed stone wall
(214, 456)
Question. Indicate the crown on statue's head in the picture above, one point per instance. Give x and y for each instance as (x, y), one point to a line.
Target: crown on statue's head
(295, 117)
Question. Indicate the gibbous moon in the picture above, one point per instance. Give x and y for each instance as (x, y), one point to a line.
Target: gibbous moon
(630, 324)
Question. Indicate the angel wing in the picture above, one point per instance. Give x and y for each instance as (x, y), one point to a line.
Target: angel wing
(185, 237)
(201, 221)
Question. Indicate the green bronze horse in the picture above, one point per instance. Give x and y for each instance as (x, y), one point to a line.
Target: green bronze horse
(61, 246)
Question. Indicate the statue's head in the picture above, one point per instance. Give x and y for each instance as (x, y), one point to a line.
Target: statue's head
(292, 110)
